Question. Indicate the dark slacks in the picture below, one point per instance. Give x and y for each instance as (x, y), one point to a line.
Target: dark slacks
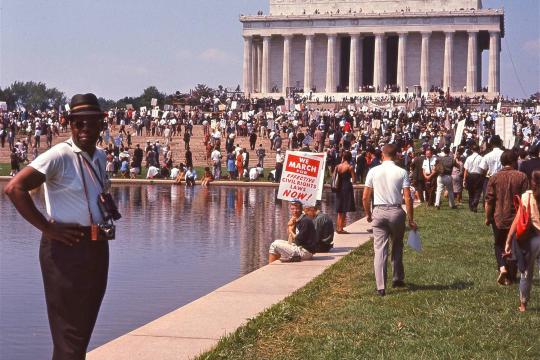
(431, 187)
(499, 236)
(419, 187)
(475, 184)
(75, 279)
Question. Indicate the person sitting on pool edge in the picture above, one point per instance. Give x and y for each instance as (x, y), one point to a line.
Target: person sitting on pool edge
(302, 243)
(324, 227)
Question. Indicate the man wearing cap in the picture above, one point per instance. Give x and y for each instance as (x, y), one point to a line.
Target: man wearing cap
(302, 242)
(387, 182)
(74, 268)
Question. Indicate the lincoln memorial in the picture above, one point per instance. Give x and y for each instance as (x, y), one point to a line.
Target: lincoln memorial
(349, 47)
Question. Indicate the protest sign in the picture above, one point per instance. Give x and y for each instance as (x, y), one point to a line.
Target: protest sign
(269, 115)
(302, 178)
(234, 104)
(376, 124)
(221, 107)
(153, 102)
(245, 115)
(213, 123)
(289, 104)
(143, 109)
(459, 133)
(3, 106)
(155, 113)
(504, 127)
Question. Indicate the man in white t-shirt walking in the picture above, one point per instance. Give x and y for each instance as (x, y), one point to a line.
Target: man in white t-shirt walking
(386, 183)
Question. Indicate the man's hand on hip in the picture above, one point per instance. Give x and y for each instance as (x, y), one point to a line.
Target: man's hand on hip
(68, 234)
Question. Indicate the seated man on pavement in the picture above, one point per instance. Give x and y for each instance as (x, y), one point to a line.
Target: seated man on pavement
(324, 227)
(191, 176)
(302, 243)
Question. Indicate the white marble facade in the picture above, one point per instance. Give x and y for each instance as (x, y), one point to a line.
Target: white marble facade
(340, 46)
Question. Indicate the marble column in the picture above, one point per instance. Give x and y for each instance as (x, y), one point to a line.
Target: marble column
(248, 42)
(355, 67)
(287, 39)
(259, 66)
(254, 68)
(331, 64)
(402, 62)
(308, 64)
(424, 63)
(379, 70)
(448, 56)
(494, 62)
(472, 62)
(265, 71)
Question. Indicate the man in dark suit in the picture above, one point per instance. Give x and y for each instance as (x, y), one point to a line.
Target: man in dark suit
(418, 175)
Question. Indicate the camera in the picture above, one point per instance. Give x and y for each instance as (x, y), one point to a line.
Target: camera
(105, 230)
(102, 232)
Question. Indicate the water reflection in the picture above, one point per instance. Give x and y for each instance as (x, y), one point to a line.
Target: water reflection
(174, 244)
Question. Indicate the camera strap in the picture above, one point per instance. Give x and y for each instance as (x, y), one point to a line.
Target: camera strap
(98, 177)
(85, 188)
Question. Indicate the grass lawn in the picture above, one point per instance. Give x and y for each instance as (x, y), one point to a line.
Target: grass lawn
(5, 169)
(452, 307)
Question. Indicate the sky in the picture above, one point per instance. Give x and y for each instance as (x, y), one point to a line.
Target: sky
(118, 48)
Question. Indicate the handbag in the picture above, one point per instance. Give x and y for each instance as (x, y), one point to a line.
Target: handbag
(335, 185)
(524, 228)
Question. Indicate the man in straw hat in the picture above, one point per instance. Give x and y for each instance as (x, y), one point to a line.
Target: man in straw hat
(73, 265)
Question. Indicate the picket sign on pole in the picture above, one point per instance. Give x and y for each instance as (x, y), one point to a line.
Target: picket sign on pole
(459, 133)
(302, 177)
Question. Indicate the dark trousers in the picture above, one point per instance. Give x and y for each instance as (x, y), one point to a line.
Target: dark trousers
(431, 187)
(75, 279)
(499, 236)
(475, 184)
(419, 187)
(279, 170)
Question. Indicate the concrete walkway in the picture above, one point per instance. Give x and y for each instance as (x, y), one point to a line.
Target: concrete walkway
(198, 326)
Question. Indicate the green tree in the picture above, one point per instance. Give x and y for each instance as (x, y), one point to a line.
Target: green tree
(33, 96)
(202, 90)
(148, 94)
(106, 104)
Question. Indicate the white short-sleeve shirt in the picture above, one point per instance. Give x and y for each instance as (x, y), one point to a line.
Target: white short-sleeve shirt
(472, 164)
(491, 162)
(429, 165)
(387, 181)
(65, 198)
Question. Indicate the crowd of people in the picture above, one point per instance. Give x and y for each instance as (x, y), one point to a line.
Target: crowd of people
(401, 152)
(439, 162)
